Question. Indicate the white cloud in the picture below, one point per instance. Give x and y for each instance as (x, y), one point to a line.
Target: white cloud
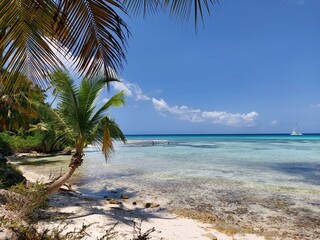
(231, 119)
(274, 122)
(317, 105)
(131, 90)
(184, 112)
(120, 86)
(196, 115)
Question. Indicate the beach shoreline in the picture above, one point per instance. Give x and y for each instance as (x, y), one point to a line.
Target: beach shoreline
(77, 209)
(238, 211)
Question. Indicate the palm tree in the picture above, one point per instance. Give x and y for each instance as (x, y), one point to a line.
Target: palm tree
(35, 34)
(16, 108)
(82, 122)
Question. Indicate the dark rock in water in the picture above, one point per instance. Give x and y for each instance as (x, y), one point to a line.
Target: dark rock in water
(152, 205)
(134, 203)
(67, 151)
(242, 210)
(124, 196)
(113, 201)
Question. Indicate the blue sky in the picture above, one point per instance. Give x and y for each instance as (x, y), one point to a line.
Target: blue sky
(253, 68)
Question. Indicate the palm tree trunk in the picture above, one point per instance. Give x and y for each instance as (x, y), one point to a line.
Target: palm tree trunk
(75, 162)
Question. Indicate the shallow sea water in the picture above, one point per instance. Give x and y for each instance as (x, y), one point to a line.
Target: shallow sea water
(273, 179)
(266, 160)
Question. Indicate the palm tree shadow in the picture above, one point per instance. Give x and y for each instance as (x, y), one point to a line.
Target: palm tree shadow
(41, 162)
(121, 212)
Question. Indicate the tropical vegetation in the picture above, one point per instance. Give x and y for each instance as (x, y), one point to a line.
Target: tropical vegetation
(36, 35)
(82, 121)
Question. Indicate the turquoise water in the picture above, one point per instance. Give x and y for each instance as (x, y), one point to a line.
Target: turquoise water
(268, 182)
(270, 160)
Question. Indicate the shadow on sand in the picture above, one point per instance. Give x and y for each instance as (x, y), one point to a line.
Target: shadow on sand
(90, 204)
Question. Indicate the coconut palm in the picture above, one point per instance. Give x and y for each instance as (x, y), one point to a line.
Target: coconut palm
(35, 35)
(82, 121)
(16, 108)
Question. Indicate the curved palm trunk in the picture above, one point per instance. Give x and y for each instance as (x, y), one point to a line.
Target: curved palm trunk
(75, 162)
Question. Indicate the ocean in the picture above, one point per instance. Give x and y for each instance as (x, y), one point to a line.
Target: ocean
(261, 160)
(270, 183)
(266, 184)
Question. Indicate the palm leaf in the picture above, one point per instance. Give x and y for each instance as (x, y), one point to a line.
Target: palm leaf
(115, 101)
(142, 6)
(103, 134)
(27, 42)
(68, 96)
(94, 34)
(181, 9)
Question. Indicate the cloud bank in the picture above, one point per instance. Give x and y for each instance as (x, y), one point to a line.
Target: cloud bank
(231, 119)
(183, 112)
(216, 117)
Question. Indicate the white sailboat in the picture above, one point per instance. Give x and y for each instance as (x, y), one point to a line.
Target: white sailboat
(295, 132)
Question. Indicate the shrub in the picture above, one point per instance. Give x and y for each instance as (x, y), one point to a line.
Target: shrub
(4, 145)
(10, 175)
(23, 201)
(21, 142)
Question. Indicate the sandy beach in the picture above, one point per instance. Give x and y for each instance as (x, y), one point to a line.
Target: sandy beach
(176, 207)
(130, 217)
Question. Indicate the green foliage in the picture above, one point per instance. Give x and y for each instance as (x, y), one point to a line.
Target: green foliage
(78, 118)
(4, 145)
(17, 108)
(10, 175)
(21, 142)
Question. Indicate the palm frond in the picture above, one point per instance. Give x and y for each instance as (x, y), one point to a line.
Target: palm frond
(116, 100)
(184, 9)
(68, 95)
(27, 42)
(181, 9)
(94, 34)
(59, 131)
(89, 92)
(103, 134)
(137, 7)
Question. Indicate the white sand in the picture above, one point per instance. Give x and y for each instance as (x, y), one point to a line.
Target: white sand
(77, 210)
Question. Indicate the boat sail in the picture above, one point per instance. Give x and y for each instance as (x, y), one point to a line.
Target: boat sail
(295, 132)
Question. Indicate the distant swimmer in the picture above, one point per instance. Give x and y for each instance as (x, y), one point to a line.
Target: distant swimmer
(152, 143)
